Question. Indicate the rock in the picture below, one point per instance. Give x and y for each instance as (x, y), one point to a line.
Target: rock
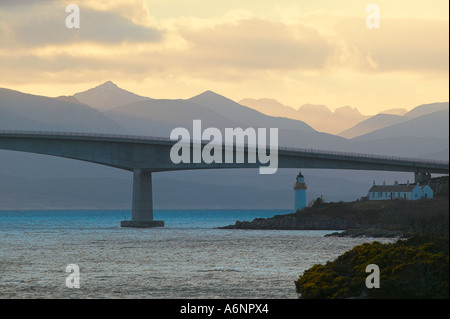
(360, 219)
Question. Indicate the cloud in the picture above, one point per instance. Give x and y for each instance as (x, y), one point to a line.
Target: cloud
(401, 44)
(237, 40)
(258, 44)
(229, 50)
(47, 26)
(318, 56)
(23, 3)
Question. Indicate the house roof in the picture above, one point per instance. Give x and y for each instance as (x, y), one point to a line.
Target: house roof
(393, 188)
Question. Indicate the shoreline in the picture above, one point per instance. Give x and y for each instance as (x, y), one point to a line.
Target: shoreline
(378, 219)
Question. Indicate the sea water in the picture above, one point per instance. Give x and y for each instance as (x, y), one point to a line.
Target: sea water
(188, 258)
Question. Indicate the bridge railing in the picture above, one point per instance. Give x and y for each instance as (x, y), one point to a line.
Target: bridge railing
(363, 155)
(84, 134)
(282, 148)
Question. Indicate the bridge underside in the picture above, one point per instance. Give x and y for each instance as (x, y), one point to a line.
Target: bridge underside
(142, 156)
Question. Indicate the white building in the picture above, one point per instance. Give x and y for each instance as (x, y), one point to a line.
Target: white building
(300, 192)
(400, 191)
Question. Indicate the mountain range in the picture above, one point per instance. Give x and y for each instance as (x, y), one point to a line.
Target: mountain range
(38, 181)
(384, 120)
(320, 117)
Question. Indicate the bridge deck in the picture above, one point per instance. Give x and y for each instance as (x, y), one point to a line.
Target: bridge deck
(143, 155)
(165, 140)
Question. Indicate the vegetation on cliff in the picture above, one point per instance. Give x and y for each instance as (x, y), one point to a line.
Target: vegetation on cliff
(417, 267)
(414, 268)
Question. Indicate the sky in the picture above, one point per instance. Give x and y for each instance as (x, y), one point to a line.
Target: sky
(294, 51)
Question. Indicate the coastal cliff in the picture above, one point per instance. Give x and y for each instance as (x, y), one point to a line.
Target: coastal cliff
(397, 218)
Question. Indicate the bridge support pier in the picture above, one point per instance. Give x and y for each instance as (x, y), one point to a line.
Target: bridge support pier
(142, 206)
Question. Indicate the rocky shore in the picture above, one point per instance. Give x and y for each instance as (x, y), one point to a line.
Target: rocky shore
(361, 218)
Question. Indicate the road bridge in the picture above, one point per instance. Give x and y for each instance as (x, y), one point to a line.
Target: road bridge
(143, 155)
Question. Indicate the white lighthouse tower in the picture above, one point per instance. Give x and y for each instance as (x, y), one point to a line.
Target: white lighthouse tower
(300, 192)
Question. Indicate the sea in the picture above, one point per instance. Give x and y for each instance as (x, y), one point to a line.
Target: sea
(189, 258)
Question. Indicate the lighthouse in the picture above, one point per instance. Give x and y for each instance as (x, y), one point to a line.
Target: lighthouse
(300, 192)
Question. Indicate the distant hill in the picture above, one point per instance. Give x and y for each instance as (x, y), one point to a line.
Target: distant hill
(22, 111)
(28, 180)
(12, 121)
(426, 136)
(345, 121)
(435, 125)
(427, 109)
(319, 117)
(159, 117)
(397, 111)
(245, 115)
(107, 96)
(373, 123)
(270, 107)
(392, 117)
(70, 99)
(324, 120)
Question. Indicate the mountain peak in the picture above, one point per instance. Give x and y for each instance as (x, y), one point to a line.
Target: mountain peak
(109, 84)
(347, 110)
(314, 108)
(209, 93)
(107, 96)
(209, 97)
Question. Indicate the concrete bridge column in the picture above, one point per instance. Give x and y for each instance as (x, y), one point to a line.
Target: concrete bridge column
(142, 206)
